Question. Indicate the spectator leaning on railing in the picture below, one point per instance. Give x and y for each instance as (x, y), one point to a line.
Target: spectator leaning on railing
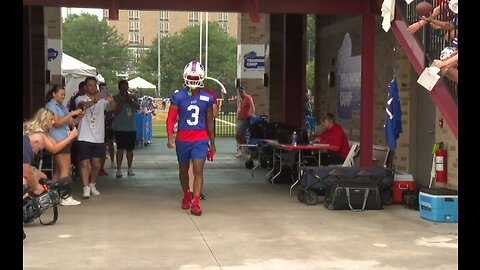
(442, 6)
(448, 60)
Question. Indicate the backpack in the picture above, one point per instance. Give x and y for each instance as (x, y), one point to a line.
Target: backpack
(71, 106)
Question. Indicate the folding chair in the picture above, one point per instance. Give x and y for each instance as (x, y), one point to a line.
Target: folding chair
(350, 159)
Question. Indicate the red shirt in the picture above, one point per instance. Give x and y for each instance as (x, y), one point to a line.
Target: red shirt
(335, 136)
(245, 110)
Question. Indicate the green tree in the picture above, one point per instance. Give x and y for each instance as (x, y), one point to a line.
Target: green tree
(310, 74)
(310, 37)
(97, 44)
(180, 48)
(310, 51)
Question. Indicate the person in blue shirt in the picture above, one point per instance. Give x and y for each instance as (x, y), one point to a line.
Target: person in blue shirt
(63, 121)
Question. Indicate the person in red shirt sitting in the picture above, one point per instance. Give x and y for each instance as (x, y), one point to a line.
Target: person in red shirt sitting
(334, 135)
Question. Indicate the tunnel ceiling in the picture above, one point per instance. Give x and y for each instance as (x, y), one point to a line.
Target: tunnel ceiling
(324, 7)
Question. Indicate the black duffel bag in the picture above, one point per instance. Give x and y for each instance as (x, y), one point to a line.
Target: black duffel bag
(354, 195)
(361, 189)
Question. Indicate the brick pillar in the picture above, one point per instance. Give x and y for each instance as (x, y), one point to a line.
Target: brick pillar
(254, 35)
(53, 20)
(34, 60)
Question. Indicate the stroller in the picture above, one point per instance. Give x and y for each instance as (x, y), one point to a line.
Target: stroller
(258, 131)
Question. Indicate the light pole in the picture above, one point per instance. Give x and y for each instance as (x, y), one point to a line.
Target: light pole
(201, 37)
(159, 78)
(206, 44)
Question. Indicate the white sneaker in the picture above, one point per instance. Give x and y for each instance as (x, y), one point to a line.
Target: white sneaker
(130, 172)
(93, 189)
(239, 153)
(69, 201)
(86, 192)
(112, 165)
(118, 174)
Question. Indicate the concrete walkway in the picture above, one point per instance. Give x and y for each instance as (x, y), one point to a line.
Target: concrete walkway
(137, 223)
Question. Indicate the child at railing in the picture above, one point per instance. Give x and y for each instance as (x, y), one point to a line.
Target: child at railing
(449, 56)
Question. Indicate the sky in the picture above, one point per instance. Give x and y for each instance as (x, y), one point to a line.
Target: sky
(78, 11)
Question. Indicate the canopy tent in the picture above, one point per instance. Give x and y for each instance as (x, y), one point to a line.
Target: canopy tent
(74, 72)
(140, 83)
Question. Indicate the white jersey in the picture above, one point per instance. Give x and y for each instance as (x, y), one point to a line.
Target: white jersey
(92, 126)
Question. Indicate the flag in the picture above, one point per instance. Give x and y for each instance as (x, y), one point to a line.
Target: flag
(393, 116)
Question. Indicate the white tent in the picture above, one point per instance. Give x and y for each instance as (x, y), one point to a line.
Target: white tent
(139, 83)
(74, 72)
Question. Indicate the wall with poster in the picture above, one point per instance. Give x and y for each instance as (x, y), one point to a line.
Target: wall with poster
(54, 58)
(348, 76)
(251, 61)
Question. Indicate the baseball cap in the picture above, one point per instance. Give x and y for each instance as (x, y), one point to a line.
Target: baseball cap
(241, 88)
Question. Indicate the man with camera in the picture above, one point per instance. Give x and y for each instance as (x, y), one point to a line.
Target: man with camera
(32, 144)
(124, 126)
(39, 193)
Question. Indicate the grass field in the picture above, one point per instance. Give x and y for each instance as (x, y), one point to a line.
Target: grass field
(225, 125)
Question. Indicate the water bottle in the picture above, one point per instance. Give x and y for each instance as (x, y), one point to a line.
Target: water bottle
(294, 138)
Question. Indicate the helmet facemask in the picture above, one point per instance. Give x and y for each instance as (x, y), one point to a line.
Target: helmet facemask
(193, 75)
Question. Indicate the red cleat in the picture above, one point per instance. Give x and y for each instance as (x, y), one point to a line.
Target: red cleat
(195, 210)
(186, 202)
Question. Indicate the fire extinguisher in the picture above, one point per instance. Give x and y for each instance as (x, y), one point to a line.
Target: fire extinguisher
(441, 164)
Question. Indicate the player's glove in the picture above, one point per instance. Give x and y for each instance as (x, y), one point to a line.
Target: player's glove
(210, 153)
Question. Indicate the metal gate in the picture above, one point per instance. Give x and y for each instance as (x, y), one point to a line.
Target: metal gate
(227, 117)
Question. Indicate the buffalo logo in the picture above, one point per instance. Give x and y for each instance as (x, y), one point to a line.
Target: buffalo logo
(52, 54)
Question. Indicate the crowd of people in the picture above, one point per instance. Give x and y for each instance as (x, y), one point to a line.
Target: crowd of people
(93, 122)
(79, 135)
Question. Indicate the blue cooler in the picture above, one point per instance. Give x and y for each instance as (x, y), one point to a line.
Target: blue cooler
(438, 204)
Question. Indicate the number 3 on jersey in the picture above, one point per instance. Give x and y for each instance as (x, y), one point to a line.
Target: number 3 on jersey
(195, 112)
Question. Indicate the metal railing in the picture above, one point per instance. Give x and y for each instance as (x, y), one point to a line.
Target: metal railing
(432, 40)
(227, 117)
